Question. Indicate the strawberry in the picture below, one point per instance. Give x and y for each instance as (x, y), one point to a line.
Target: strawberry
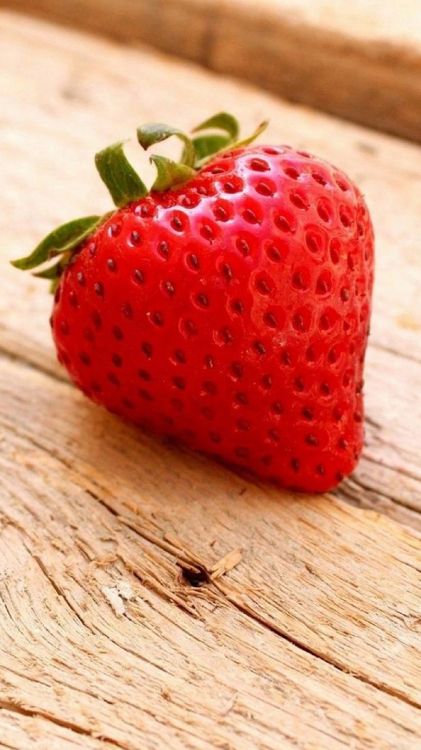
(228, 308)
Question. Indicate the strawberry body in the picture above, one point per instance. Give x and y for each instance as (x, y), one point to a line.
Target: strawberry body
(232, 313)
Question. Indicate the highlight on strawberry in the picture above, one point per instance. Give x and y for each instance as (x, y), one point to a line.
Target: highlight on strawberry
(228, 306)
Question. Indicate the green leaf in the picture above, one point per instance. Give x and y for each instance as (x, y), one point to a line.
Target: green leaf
(52, 272)
(245, 141)
(122, 181)
(60, 240)
(148, 135)
(54, 284)
(221, 121)
(170, 173)
(206, 145)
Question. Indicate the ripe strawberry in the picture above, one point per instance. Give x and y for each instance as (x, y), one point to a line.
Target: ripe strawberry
(228, 308)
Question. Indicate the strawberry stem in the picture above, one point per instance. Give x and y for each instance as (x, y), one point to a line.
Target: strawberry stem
(220, 132)
(210, 143)
(148, 135)
(122, 181)
(221, 121)
(170, 173)
(246, 141)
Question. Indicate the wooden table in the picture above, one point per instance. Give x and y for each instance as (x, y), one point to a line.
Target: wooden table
(359, 59)
(312, 639)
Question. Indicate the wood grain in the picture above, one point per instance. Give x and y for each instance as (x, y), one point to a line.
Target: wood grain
(292, 648)
(82, 94)
(311, 639)
(359, 60)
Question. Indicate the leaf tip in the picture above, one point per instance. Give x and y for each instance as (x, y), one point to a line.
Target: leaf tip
(18, 263)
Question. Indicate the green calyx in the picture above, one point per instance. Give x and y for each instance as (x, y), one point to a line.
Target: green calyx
(215, 135)
(62, 243)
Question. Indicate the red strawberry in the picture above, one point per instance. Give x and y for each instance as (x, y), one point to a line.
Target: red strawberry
(229, 307)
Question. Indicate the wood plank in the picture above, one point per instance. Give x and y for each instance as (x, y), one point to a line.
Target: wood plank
(388, 477)
(312, 639)
(92, 88)
(293, 648)
(359, 60)
(20, 729)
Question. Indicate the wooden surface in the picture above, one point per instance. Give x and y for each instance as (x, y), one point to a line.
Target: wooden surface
(312, 639)
(360, 60)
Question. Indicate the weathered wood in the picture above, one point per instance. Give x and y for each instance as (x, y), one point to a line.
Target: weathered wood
(311, 639)
(92, 87)
(359, 60)
(21, 730)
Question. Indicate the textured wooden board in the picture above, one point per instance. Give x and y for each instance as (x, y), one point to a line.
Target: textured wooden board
(312, 640)
(360, 60)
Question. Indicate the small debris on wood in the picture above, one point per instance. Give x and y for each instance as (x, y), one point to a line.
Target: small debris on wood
(114, 600)
(226, 563)
(197, 574)
(125, 590)
(117, 595)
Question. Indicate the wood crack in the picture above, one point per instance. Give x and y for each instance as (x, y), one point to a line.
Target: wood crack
(245, 609)
(190, 559)
(95, 630)
(398, 469)
(198, 565)
(18, 708)
(342, 490)
(60, 591)
(27, 362)
(396, 352)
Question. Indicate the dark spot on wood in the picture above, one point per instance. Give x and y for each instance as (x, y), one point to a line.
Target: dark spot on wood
(194, 575)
